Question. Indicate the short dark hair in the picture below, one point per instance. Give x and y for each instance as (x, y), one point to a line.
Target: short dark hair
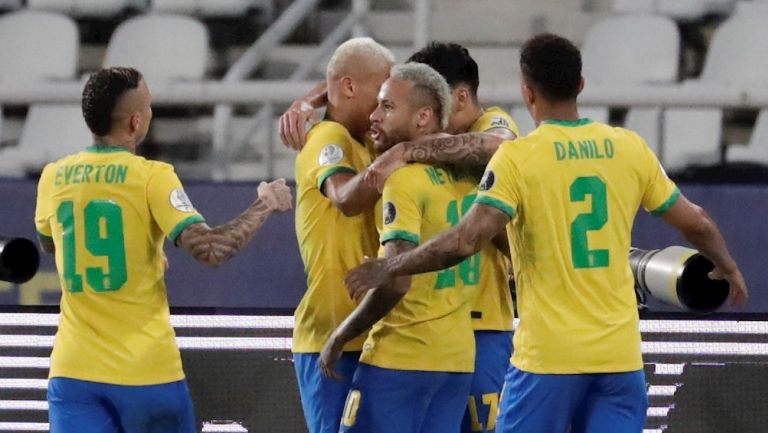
(452, 61)
(553, 65)
(101, 93)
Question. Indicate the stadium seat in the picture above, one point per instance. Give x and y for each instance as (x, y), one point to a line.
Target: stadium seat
(615, 52)
(757, 148)
(152, 43)
(37, 45)
(88, 8)
(734, 59)
(209, 8)
(50, 132)
(682, 10)
(691, 137)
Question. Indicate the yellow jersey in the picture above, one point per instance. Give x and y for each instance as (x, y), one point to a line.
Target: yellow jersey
(572, 190)
(430, 329)
(492, 118)
(107, 211)
(330, 243)
(493, 309)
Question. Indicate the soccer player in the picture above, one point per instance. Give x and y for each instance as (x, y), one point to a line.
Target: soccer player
(568, 194)
(492, 314)
(115, 366)
(334, 222)
(415, 369)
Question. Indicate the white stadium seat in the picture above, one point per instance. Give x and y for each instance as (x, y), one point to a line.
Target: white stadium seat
(87, 8)
(616, 51)
(152, 43)
(37, 45)
(757, 148)
(208, 8)
(50, 132)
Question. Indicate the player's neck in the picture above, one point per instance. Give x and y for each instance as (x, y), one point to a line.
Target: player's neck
(114, 141)
(467, 118)
(350, 119)
(557, 111)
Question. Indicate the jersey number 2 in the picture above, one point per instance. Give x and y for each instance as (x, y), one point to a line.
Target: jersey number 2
(581, 255)
(103, 224)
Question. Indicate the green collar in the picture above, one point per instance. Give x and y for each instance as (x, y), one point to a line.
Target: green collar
(106, 149)
(580, 122)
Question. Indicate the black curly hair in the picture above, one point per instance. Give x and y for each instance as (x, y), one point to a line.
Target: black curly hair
(452, 61)
(552, 64)
(101, 93)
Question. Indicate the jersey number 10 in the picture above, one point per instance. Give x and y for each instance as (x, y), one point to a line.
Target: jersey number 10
(469, 269)
(103, 237)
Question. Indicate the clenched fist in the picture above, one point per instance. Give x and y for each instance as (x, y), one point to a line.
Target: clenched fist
(276, 195)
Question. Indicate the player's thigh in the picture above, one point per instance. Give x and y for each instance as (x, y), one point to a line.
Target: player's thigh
(384, 400)
(164, 408)
(446, 407)
(616, 402)
(77, 406)
(322, 399)
(492, 352)
(539, 403)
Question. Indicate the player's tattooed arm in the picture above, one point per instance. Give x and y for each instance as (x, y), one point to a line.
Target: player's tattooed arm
(376, 304)
(470, 149)
(480, 225)
(215, 246)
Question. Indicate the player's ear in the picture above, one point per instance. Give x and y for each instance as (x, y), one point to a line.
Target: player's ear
(581, 84)
(348, 86)
(424, 116)
(460, 97)
(134, 122)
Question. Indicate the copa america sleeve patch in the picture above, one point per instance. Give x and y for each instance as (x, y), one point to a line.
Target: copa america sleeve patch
(390, 212)
(180, 201)
(489, 178)
(331, 154)
(499, 122)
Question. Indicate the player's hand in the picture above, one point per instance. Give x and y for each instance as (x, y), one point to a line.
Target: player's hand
(370, 275)
(738, 295)
(293, 124)
(276, 195)
(328, 356)
(376, 174)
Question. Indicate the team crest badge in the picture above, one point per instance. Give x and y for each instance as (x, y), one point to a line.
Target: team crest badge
(331, 154)
(488, 180)
(390, 212)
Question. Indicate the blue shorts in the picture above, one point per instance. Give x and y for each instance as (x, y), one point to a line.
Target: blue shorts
(79, 406)
(492, 352)
(322, 398)
(594, 403)
(383, 400)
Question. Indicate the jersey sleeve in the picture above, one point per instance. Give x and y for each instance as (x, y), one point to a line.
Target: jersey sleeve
(44, 206)
(326, 154)
(170, 207)
(660, 191)
(401, 208)
(494, 118)
(498, 188)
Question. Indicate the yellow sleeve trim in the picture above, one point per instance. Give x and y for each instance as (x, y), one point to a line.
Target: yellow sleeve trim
(330, 172)
(498, 204)
(402, 235)
(184, 224)
(661, 210)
